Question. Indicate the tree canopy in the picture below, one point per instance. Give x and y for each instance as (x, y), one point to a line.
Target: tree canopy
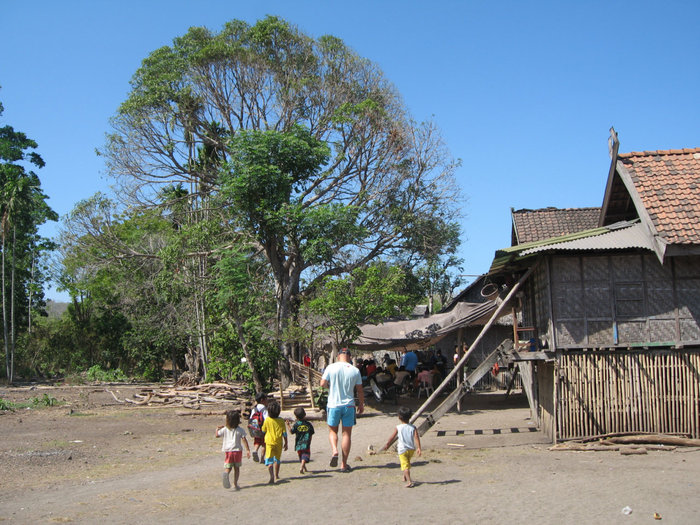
(291, 149)
(23, 209)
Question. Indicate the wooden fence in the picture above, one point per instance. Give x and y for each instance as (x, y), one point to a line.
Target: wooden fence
(628, 391)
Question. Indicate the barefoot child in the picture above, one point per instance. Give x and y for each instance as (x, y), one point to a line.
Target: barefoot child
(233, 436)
(408, 442)
(275, 434)
(255, 423)
(303, 431)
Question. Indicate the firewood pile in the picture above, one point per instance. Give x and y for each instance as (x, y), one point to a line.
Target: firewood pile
(629, 444)
(224, 396)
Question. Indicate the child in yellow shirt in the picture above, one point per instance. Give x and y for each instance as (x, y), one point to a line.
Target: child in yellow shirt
(275, 435)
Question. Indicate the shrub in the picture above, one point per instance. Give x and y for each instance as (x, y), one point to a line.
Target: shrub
(46, 400)
(6, 405)
(97, 373)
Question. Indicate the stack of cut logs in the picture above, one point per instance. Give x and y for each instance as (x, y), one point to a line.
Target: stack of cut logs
(220, 395)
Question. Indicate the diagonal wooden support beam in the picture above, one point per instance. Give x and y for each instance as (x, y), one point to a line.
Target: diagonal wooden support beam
(464, 387)
(463, 360)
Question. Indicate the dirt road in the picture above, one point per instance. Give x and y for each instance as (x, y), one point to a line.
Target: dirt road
(94, 461)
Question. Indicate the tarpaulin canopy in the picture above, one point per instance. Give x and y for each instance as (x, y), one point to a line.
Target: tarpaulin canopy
(421, 333)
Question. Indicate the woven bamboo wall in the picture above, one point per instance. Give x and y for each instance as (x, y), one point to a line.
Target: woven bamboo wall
(621, 300)
(628, 391)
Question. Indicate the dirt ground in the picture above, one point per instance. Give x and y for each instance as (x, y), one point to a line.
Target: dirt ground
(93, 460)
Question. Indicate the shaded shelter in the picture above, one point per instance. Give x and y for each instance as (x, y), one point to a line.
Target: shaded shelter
(420, 333)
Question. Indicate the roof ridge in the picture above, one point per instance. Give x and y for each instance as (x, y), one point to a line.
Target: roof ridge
(683, 151)
(553, 208)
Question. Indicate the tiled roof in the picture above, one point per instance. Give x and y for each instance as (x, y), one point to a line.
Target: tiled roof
(537, 225)
(668, 183)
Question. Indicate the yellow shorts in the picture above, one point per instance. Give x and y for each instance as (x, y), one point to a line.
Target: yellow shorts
(405, 459)
(273, 453)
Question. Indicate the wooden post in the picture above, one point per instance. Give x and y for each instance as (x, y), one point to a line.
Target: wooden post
(460, 375)
(310, 387)
(516, 337)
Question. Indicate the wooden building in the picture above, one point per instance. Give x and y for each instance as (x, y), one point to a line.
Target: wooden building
(614, 308)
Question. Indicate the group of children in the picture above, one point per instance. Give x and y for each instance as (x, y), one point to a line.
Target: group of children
(269, 430)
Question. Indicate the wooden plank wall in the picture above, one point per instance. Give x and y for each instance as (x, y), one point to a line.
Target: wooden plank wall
(628, 391)
(545, 399)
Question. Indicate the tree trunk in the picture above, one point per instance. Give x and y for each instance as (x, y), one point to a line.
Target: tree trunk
(246, 351)
(287, 289)
(202, 354)
(12, 307)
(4, 316)
(29, 302)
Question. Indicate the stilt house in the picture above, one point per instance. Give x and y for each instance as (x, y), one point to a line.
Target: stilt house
(610, 313)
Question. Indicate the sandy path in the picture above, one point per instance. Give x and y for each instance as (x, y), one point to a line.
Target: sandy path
(509, 477)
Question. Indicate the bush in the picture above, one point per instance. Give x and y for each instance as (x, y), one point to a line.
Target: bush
(321, 397)
(227, 360)
(46, 400)
(97, 373)
(43, 401)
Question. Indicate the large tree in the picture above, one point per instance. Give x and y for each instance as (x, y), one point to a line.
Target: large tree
(23, 209)
(308, 140)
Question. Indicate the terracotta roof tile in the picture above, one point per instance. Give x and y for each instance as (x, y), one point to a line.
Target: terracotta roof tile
(667, 182)
(537, 225)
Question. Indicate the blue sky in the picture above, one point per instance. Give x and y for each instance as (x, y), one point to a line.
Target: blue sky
(524, 92)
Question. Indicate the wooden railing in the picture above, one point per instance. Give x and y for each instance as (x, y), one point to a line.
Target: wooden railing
(302, 374)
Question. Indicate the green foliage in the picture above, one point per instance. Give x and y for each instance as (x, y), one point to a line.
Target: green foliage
(23, 209)
(438, 271)
(266, 169)
(368, 295)
(271, 161)
(228, 361)
(46, 400)
(97, 373)
(321, 398)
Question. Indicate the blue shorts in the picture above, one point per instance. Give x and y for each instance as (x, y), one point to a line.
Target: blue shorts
(345, 414)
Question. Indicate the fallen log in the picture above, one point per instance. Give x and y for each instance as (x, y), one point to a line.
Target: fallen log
(114, 396)
(633, 451)
(652, 439)
(583, 447)
(141, 402)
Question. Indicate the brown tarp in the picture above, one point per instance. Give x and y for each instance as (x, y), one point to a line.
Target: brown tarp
(421, 333)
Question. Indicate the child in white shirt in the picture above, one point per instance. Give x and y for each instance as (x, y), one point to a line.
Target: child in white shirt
(408, 443)
(233, 435)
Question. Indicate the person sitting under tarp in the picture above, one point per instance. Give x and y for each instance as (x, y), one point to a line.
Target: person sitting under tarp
(409, 360)
(370, 367)
(402, 380)
(424, 376)
(392, 368)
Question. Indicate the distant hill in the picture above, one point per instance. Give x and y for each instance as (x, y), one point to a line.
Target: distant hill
(55, 309)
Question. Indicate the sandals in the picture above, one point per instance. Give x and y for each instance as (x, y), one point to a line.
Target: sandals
(346, 468)
(334, 461)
